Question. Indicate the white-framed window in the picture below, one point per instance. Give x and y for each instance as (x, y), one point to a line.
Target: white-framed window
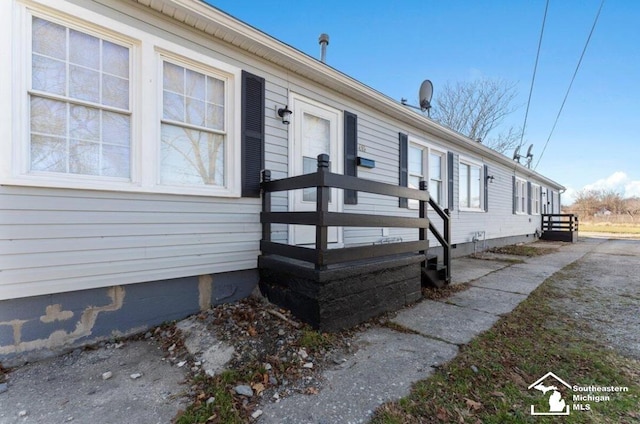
(521, 196)
(427, 163)
(102, 105)
(79, 102)
(193, 126)
(417, 168)
(437, 161)
(535, 199)
(470, 187)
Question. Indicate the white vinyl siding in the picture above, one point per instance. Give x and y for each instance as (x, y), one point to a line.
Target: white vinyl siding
(55, 240)
(375, 132)
(62, 231)
(61, 234)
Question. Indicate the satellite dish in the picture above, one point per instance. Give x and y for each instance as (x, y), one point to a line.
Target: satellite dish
(516, 155)
(529, 156)
(426, 92)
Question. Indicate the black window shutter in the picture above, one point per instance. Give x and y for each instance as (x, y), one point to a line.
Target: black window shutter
(404, 166)
(515, 194)
(350, 154)
(529, 197)
(252, 133)
(450, 179)
(552, 196)
(486, 188)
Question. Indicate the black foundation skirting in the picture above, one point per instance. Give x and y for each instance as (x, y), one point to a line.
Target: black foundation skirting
(344, 296)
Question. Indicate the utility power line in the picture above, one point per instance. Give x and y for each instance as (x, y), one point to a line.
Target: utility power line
(593, 27)
(533, 78)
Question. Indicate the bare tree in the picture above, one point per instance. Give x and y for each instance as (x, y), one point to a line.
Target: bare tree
(612, 201)
(477, 109)
(632, 207)
(587, 202)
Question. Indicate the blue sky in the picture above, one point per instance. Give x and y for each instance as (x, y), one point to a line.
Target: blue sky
(393, 46)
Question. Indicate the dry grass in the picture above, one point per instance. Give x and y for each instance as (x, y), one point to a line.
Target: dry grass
(487, 382)
(523, 250)
(609, 227)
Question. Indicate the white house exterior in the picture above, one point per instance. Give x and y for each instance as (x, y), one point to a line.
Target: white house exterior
(132, 136)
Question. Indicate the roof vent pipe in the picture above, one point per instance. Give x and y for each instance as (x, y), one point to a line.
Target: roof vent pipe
(324, 42)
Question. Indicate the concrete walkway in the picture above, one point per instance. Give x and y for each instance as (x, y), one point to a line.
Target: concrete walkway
(389, 361)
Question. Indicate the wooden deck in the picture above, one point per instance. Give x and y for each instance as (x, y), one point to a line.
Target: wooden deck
(337, 288)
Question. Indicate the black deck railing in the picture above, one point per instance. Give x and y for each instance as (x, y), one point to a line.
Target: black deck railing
(443, 238)
(323, 180)
(560, 222)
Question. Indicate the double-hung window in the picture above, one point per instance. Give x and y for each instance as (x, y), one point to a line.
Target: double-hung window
(535, 199)
(470, 185)
(426, 164)
(193, 129)
(110, 106)
(79, 103)
(521, 196)
(416, 166)
(436, 175)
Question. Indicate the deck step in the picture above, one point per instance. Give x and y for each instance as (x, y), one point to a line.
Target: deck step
(432, 260)
(434, 275)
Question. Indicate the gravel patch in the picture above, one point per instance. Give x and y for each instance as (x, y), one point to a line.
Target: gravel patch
(96, 386)
(602, 290)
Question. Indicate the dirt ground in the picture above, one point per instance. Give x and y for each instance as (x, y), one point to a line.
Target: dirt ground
(603, 291)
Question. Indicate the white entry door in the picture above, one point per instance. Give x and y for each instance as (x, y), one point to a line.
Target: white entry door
(316, 130)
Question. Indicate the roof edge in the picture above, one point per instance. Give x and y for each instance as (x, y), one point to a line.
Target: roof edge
(300, 63)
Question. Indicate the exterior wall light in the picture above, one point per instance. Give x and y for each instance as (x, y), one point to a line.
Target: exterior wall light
(285, 113)
(490, 178)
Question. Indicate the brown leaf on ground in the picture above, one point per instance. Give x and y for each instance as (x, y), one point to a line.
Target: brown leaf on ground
(497, 394)
(312, 391)
(517, 379)
(432, 293)
(461, 414)
(442, 414)
(472, 404)
(258, 387)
